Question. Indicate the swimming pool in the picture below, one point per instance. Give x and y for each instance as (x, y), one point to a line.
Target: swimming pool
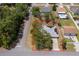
(62, 15)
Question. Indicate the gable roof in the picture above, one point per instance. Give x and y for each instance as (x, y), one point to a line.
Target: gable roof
(51, 31)
(74, 9)
(70, 29)
(61, 9)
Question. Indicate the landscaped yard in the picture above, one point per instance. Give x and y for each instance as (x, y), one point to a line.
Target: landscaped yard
(70, 47)
(66, 22)
(68, 40)
(40, 41)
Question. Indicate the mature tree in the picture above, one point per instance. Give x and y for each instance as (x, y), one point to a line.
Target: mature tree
(54, 7)
(5, 40)
(35, 11)
(10, 21)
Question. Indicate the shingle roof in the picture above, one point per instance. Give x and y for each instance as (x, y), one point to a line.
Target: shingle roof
(51, 31)
(74, 9)
(61, 9)
(70, 29)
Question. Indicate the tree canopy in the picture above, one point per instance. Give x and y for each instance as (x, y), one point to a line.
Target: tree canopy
(10, 21)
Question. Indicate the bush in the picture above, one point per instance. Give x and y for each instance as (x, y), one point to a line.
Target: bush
(10, 21)
(36, 11)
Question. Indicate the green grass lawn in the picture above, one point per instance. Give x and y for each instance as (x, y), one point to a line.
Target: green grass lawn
(76, 3)
(70, 47)
(66, 22)
(68, 40)
(77, 16)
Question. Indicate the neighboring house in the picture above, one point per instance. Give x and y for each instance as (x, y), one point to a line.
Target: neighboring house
(61, 12)
(70, 31)
(45, 9)
(75, 9)
(51, 31)
(38, 4)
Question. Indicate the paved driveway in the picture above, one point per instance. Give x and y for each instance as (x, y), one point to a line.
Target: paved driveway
(76, 46)
(55, 44)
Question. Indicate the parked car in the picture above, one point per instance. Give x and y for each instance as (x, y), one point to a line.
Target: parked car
(20, 35)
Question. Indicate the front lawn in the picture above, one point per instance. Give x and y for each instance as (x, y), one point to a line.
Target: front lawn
(70, 47)
(66, 22)
(68, 40)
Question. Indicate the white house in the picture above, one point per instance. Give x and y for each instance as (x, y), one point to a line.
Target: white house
(61, 12)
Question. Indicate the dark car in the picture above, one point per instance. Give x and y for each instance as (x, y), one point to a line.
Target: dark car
(20, 35)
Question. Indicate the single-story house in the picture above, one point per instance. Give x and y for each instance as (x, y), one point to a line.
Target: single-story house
(45, 9)
(61, 12)
(74, 9)
(51, 31)
(70, 31)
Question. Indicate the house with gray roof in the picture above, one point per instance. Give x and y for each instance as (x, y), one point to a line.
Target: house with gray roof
(51, 31)
(45, 9)
(75, 9)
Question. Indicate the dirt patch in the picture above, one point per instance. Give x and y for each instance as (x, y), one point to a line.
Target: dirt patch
(3, 49)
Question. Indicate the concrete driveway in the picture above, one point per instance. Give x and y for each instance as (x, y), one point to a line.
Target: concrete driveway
(55, 44)
(76, 46)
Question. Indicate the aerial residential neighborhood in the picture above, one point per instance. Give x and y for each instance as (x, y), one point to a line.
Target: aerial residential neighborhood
(34, 28)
